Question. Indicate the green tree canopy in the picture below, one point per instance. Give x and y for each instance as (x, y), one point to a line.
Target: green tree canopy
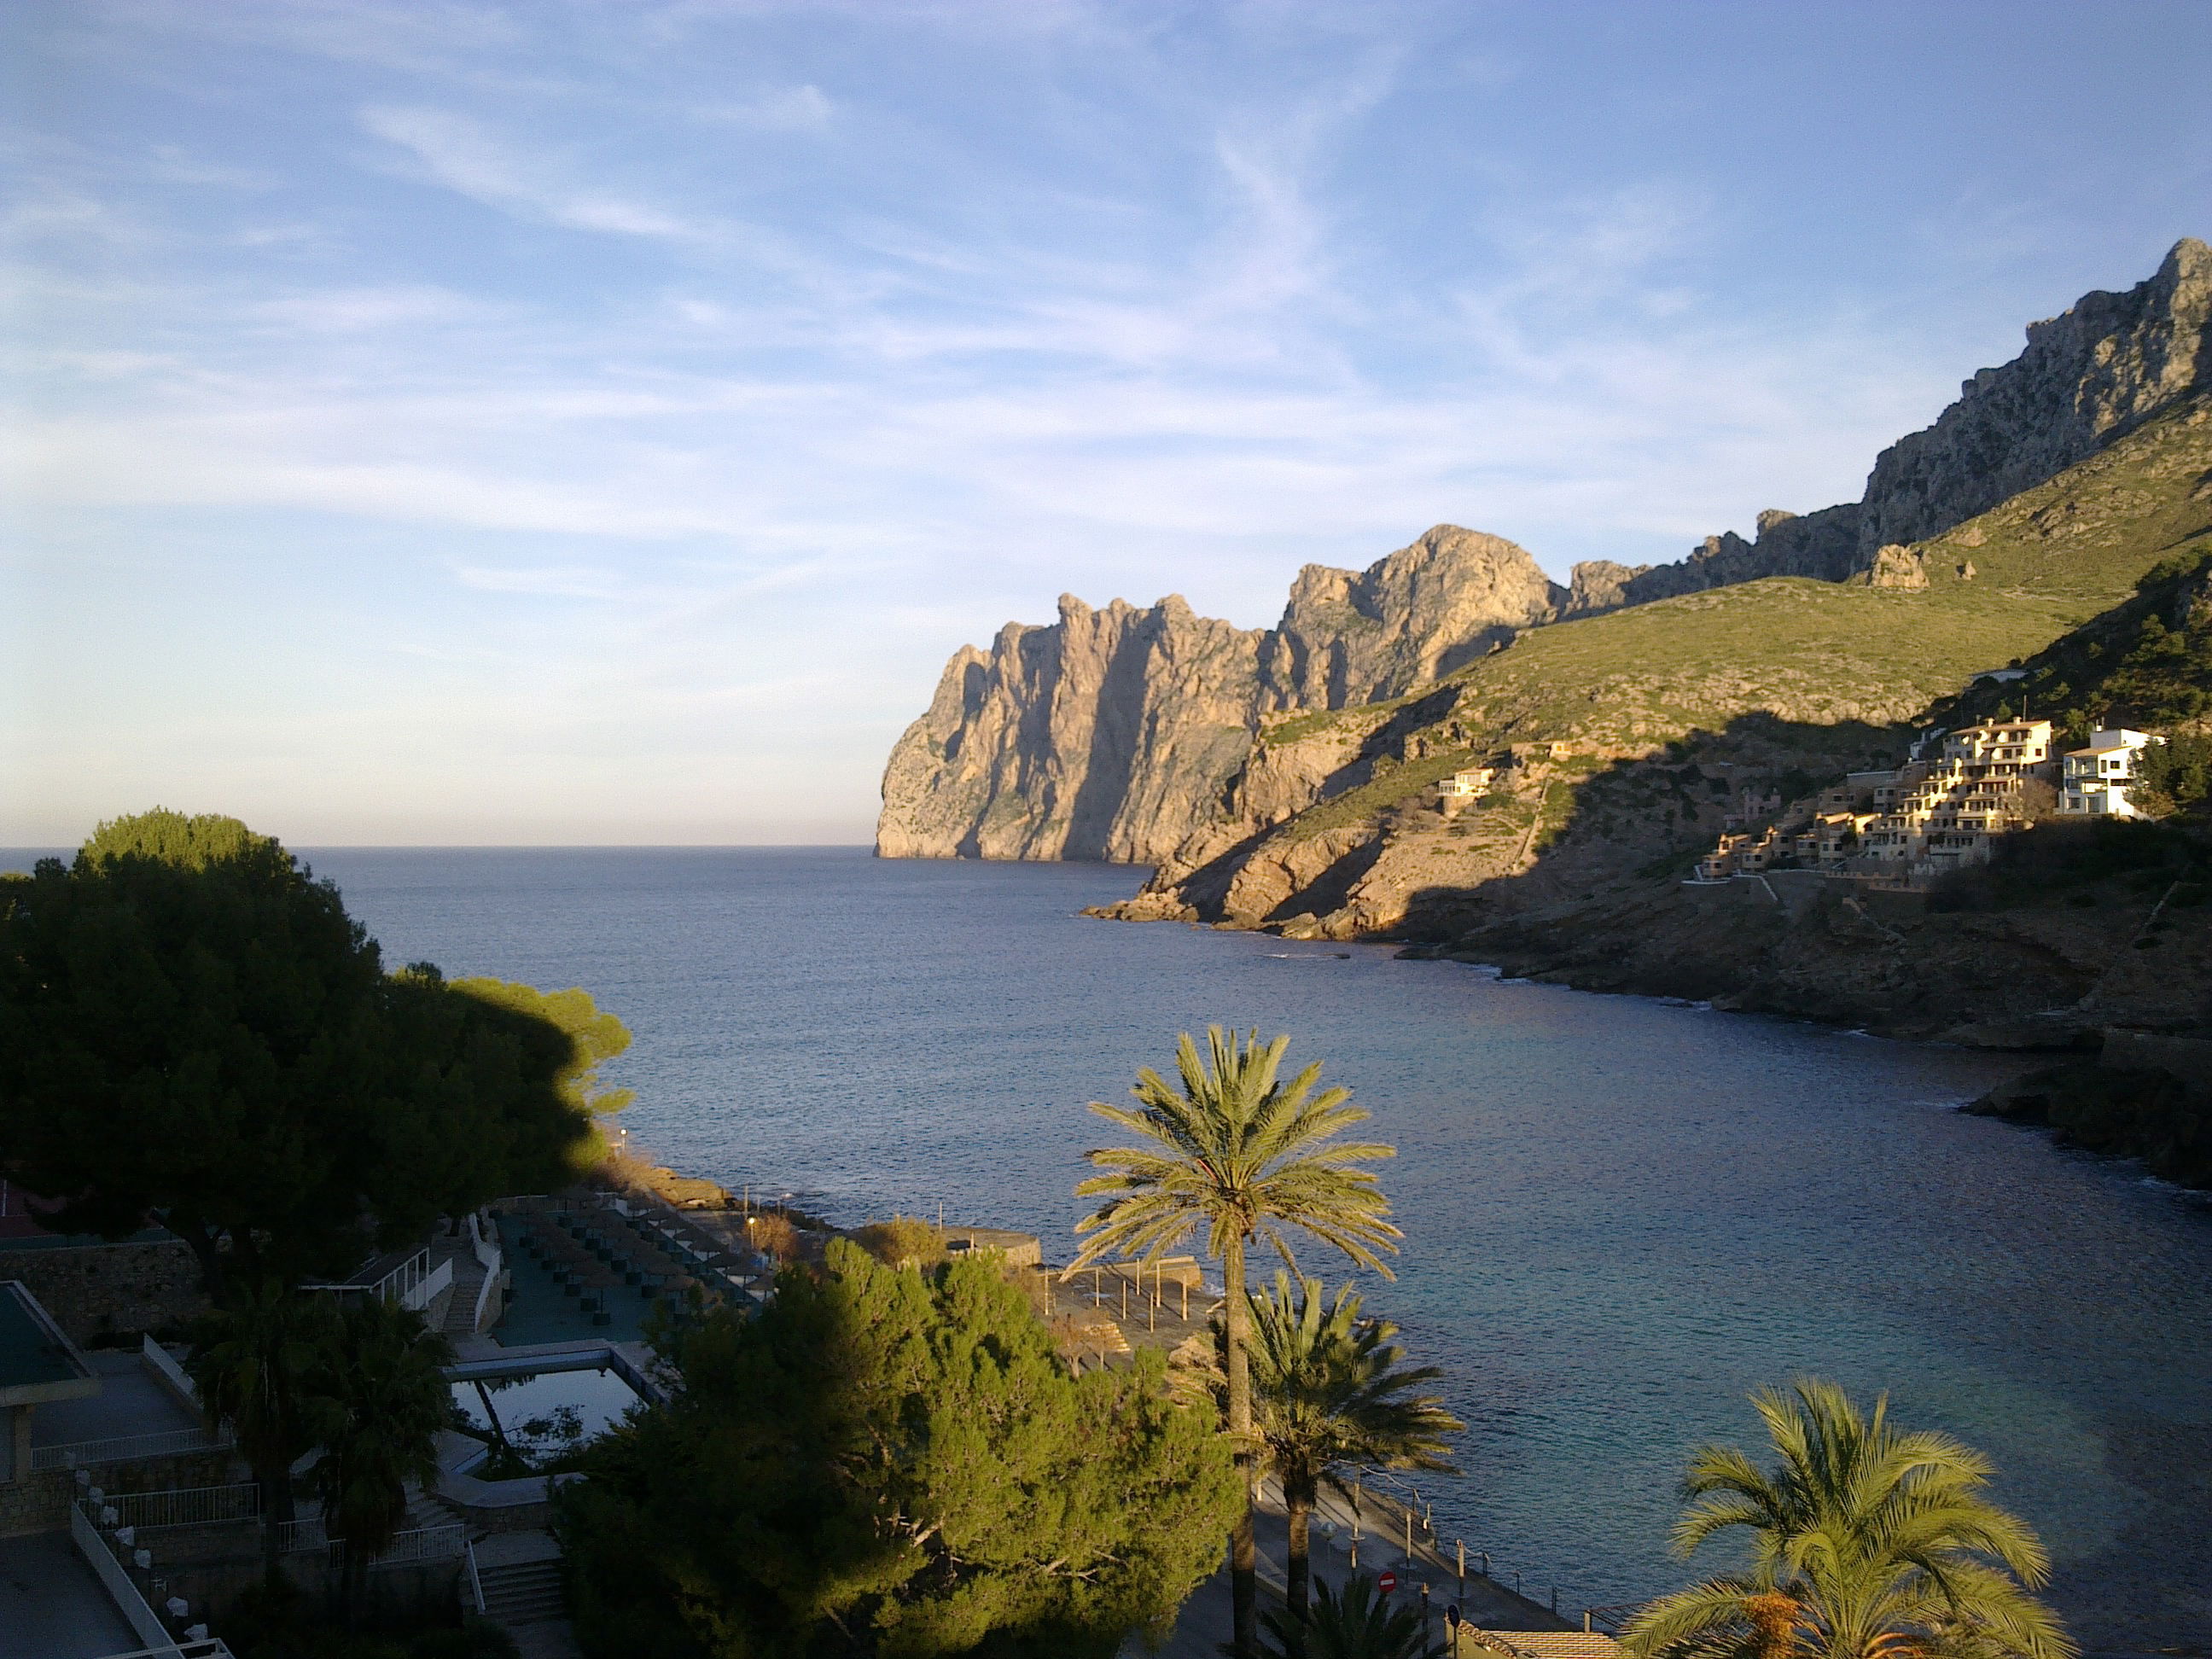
(1866, 1542)
(192, 1028)
(1234, 1150)
(1329, 1395)
(892, 1463)
(597, 1036)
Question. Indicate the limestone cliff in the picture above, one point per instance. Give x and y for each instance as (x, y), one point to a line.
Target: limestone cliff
(1104, 735)
(1403, 622)
(2088, 377)
(1158, 736)
(1110, 734)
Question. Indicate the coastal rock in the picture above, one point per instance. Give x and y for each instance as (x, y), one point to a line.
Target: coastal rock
(1104, 735)
(1119, 733)
(1154, 735)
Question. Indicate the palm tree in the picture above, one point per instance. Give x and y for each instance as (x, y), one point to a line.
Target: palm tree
(1244, 1156)
(1327, 1395)
(1867, 1543)
(384, 1399)
(255, 1362)
(1357, 1625)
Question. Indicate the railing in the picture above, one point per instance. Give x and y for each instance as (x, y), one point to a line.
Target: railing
(121, 1590)
(425, 1290)
(411, 1284)
(476, 1581)
(294, 1536)
(495, 1263)
(423, 1544)
(419, 1544)
(187, 1506)
(127, 1448)
(163, 1364)
(213, 1648)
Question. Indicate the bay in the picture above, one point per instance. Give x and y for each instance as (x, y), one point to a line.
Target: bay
(1622, 1216)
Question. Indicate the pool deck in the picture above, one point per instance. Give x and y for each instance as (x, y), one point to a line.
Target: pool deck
(52, 1605)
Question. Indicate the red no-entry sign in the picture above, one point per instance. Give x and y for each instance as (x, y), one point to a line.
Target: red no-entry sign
(1387, 1582)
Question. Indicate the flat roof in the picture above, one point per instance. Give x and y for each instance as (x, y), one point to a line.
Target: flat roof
(37, 1362)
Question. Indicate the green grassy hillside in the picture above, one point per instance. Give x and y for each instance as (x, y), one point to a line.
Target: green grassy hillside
(2001, 588)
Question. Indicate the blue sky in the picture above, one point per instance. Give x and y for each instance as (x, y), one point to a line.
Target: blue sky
(572, 423)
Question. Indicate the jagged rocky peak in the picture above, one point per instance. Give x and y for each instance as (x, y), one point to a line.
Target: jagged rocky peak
(2098, 370)
(1109, 733)
(2110, 363)
(1100, 736)
(1348, 638)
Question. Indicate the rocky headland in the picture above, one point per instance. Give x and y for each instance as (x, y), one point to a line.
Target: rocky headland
(2048, 524)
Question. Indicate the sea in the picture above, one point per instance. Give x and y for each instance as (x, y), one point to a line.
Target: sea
(1622, 1215)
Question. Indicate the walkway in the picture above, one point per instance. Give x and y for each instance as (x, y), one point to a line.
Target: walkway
(1203, 1625)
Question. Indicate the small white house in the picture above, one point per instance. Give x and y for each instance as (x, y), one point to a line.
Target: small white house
(1475, 781)
(2096, 779)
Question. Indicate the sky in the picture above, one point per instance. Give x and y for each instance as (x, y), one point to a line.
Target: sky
(558, 423)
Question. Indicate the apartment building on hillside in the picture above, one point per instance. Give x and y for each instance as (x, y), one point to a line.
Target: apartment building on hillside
(2096, 779)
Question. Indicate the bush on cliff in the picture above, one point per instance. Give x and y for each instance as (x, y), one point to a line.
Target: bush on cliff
(894, 1463)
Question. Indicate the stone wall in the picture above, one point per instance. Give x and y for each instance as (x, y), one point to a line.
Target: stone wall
(39, 1503)
(103, 1294)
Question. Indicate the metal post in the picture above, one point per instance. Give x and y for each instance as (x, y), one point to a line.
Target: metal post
(1555, 1601)
(1463, 1569)
(1409, 1538)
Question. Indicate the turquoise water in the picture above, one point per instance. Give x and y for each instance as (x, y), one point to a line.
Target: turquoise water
(1620, 1215)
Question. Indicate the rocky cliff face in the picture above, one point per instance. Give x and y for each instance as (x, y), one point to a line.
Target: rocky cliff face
(1110, 734)
(1126, 733)
(2109, 363)
(1405, 621)
(1104, 735)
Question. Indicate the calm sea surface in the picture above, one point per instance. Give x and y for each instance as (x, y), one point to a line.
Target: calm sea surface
(1622, 1216)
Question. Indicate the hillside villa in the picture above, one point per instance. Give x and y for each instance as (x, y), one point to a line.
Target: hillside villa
(2097, 778)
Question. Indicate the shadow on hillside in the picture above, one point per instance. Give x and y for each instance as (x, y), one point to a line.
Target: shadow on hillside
(1644, 823)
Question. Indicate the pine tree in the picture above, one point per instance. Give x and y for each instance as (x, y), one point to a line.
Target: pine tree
(897, 1462)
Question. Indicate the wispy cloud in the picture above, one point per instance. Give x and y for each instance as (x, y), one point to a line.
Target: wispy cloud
(614, 369)
(780, 109)
(461, 154)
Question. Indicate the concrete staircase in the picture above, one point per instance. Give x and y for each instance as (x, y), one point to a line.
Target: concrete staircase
(527, 1593)
(521, 1572)
(468, 1280)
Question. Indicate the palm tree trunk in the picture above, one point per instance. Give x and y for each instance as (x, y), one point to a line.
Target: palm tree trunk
(1244, 1551)
(276, 1510)
(1299, 1568)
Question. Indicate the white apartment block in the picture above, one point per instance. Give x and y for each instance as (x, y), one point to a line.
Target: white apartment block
(2097, 778)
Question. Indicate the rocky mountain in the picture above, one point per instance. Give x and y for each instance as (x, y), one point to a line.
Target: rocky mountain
(1154, 735)
(1110, 734)
(1630, 732)
(2088, 377)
